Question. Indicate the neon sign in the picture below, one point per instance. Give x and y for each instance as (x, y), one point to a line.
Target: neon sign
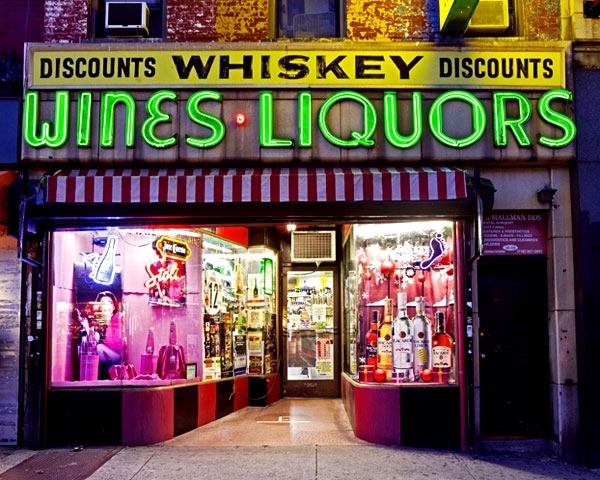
(56, 134)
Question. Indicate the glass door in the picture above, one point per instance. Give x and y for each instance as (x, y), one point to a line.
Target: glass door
(310, 329)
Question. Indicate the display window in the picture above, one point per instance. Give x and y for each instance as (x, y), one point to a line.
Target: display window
(399, 315)
(150, 306)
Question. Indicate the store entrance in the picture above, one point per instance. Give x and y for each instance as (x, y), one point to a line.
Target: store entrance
(310, 331)
(513, 347)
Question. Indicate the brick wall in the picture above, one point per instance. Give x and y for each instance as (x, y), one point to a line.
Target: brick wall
(10, 297)
(235, 21)
(191, 20)
(242, 21)
(66, 21)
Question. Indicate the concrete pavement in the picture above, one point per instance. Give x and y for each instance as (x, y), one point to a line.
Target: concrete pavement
(309, 462)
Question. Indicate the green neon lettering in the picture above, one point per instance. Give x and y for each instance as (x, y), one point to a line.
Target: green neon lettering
(558, 119)
(108, 104)
(61, 122)
(304, 119)
(265, 123)
(213, 123)
(369, 121)
(155, 117)
(502, 123)
(84, 119)
(436, 121)
(390, 119)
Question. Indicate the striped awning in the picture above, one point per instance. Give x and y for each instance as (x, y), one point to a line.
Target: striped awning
(262, 185)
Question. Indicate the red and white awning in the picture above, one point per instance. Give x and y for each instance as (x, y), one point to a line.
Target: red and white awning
(263, 185)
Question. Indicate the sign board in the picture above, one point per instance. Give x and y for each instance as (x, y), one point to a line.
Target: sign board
(307, 66)
(515, 233)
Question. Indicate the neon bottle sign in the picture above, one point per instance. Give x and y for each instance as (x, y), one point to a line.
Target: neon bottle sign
(55, 134)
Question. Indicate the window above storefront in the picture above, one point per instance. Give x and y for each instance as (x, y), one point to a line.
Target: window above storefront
(309, 18)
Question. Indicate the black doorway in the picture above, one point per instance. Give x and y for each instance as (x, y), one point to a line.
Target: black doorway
(513, 346)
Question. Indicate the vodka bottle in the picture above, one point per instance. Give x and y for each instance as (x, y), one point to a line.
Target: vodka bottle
(384, 341)
(402, 338)
(421, 339)
(442, 347)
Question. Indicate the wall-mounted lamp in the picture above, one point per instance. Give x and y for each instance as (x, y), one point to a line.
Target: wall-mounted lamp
(291, 227)
(546, 195)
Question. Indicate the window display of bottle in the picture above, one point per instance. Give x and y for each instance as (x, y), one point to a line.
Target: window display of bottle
(371, 341)
(421, 339)
(402, 338)
(441, 347)
(384, 341)
(239, 279)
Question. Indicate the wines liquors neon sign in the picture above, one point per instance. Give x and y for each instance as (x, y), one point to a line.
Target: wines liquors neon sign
(510, 113)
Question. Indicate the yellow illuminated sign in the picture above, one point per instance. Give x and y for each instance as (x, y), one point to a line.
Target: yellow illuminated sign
(391, 66)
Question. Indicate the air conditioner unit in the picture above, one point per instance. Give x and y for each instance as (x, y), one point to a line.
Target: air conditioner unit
(489, 17)
(127, 18)
(313, 246)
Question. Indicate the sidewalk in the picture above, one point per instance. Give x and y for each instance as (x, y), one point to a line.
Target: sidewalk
(295, 439)
(300, 462)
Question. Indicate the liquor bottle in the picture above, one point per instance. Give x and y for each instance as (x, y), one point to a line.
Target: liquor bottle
(104, 271)
(371, 341)
(239, 279)
(421, 339)
(255, 291)
(147, 359)
(384, 341)
(92, 342)
(402, 338)
(441, 349)
(150, 342)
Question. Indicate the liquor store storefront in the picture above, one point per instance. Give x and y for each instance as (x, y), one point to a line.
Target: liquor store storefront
(222, 228)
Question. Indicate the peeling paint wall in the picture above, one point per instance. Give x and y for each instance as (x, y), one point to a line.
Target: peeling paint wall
(541, 20)
(234, 21)
(384, 20)
(66, 21)
(242, 21)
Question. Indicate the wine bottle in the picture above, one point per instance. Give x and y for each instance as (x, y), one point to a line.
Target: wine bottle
(402, 338)
(239, 279)
(255, 291)
(441, 347)
(371, 341)
(384, 341)
(421, 339)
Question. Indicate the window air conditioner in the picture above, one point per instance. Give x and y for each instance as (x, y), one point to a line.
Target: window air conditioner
(489, 17)
(313, 246)
(127, 18)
